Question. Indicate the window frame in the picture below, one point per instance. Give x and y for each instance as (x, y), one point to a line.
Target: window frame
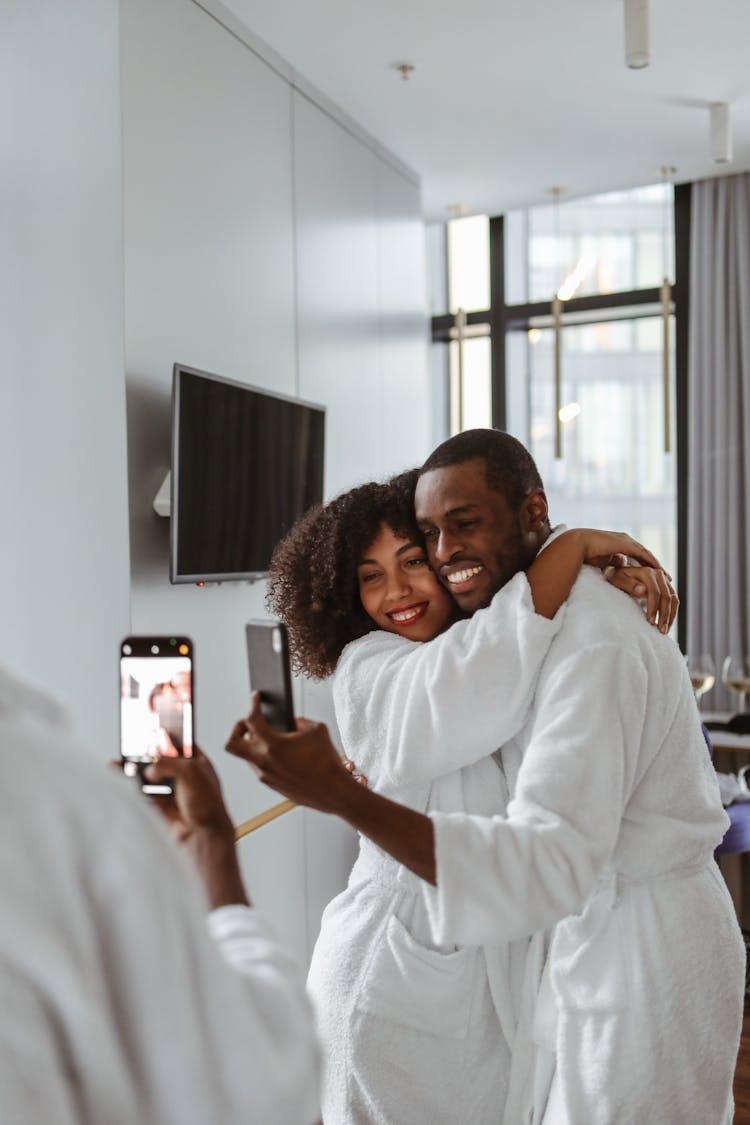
(501, 318)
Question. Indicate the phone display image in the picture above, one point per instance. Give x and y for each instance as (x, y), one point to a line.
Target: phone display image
(156, 698)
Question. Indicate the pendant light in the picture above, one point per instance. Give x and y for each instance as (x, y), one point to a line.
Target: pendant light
(666, 171)
(637, 34)
(556, 192)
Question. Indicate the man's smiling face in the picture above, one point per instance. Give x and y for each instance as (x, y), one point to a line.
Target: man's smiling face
(475, 541)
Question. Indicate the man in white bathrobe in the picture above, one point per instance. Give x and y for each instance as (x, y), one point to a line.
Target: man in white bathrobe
(122, 998)
(632, 1004)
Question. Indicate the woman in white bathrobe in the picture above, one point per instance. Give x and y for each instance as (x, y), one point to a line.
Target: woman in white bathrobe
(413, 1031)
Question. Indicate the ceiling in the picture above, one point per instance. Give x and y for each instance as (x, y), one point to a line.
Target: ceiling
(511, 97)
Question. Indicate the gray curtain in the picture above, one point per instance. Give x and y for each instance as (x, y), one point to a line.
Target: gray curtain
(718, 590)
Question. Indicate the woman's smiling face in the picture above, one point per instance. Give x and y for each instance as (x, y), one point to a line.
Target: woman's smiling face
(399, 590)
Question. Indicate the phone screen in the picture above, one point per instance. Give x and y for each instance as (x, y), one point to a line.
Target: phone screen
(156, 698)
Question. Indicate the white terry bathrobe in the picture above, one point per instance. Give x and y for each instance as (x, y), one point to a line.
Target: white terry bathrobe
(609, 839)
(116, 1007)
(416, 1031)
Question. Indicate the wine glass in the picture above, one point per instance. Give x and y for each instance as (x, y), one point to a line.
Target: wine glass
(702, 674)
(735, 675)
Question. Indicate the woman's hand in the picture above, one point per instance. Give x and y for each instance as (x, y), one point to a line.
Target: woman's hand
(600, 548)
(555, 569)
(655, 586)
(351, 767)
(614, 549)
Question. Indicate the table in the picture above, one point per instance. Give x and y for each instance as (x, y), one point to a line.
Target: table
(731, 751)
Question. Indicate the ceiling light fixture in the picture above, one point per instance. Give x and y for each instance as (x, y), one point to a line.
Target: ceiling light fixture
(721, 133)
(637, 34)
(405, 69)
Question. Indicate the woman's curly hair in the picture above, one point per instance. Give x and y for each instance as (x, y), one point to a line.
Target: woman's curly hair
(313, 585)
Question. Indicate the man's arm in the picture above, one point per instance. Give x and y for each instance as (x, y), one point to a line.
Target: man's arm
(198, 820)
(243, 992)
(496, 878)
(305, 767)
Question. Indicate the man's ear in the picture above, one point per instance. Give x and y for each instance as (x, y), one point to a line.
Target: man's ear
(534, 512)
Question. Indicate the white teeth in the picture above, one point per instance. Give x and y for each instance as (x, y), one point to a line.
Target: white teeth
(463, 575)
(405, 615)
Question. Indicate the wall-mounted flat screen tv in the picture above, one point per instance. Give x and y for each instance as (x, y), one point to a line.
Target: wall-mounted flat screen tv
(245, 465)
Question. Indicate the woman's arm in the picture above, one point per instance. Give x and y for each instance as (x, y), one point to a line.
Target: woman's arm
(410, 712)
(554, 571)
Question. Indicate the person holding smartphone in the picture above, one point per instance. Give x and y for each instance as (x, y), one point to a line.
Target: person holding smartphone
(604, 856)
(130, 991)
(417, 1030)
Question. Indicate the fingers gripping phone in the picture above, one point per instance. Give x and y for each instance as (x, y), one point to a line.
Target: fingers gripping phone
(270, 672)
(156, 704)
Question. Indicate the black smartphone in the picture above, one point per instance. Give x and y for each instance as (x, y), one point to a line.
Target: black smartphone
(270, 672)
(156, 704)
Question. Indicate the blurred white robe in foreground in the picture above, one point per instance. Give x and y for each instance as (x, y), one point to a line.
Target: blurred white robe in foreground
(116, 1005)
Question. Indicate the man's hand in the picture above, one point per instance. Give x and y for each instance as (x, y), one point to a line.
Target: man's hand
(306, 768)
(198, 819)
(196, 803)
(303, 765)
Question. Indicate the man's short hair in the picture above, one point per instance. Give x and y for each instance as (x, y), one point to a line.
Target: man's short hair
(508, 465)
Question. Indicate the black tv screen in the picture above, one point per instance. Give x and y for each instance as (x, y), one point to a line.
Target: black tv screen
(245, 465)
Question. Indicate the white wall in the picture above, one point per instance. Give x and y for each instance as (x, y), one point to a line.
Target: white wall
(64, 568)
(265, 238)
(268, 242)
(362, 335)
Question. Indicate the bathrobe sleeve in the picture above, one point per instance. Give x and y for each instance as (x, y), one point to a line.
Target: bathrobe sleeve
(409, 713)
(275, 992)
(117, 1004)
(218, 1021)
(500, 878)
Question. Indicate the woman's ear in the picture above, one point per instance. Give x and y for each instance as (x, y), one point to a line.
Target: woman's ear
(534, 512)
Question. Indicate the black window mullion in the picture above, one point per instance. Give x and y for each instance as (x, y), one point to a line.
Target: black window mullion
(518, 316)
(443, 325)
(681, 293)
(497, 322)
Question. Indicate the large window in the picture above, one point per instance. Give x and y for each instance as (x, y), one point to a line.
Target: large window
(604, 244)
(605, 258)
(613, 471)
